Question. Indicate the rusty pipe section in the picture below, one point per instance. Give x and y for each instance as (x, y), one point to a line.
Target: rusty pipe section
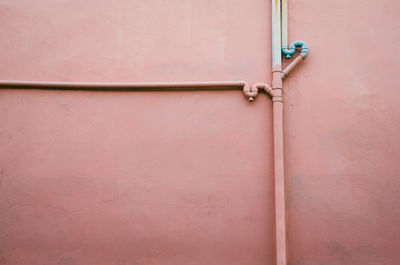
(250, 92)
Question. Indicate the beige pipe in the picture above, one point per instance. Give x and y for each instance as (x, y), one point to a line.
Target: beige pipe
(249, 91)
(123, 86)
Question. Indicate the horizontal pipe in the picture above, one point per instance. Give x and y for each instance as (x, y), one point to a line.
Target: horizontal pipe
(249, 91)
(227, 85)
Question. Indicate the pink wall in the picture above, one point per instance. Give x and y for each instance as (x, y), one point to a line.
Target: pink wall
(342, 134)
(132, 178)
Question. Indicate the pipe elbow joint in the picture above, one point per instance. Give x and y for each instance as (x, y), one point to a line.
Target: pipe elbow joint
(288, 52)
(267, 88)
(252, 91)
(249, 91)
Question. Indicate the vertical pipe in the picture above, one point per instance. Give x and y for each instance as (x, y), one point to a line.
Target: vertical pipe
(279, 173)
(279, 177)
(276, 33)
(284, 13)
(279, 184)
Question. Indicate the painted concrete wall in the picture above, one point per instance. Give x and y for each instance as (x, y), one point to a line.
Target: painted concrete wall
(134, 178)
(342, 133)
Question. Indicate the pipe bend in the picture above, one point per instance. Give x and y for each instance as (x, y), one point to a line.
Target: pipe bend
(267, 88)
(252, 91)
(249, 91)
(292, 48)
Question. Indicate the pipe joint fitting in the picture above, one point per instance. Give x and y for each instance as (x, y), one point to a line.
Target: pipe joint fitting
(276, 92)
(267, 88)
(277, 95)
(288, 52)
(250, 91)
(277, 99)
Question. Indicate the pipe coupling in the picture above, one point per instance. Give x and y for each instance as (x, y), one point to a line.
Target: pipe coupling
(277, 95)
(288, 52)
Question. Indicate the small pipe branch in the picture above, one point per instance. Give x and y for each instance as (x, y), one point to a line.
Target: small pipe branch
(292, 65)
(292, 48)
(289, 52)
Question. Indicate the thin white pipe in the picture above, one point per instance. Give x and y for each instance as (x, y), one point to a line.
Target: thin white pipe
(284, 24)
(276, 33)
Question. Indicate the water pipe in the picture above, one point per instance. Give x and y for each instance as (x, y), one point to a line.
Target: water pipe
(280, 43)
(249, 91)
(123, 86)
(292, 48)
(292, 65)
(284, 20)
(277, 108)
(276, 33)
(288, 51)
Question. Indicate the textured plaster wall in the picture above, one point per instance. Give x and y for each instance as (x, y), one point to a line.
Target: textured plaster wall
(132, 178)
(342, 133)
(135, 178)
